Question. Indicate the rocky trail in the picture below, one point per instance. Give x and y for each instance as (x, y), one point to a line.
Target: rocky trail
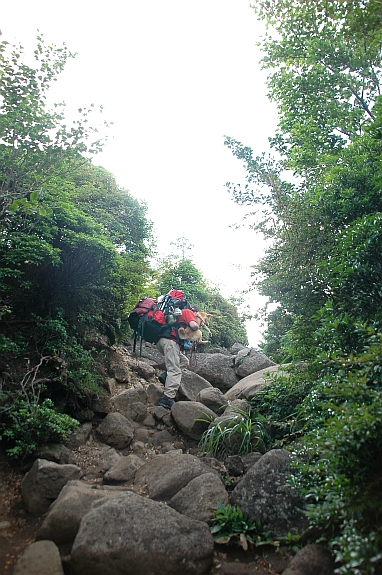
(130, 491)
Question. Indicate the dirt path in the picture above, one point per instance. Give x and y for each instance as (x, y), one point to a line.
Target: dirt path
(17, 528)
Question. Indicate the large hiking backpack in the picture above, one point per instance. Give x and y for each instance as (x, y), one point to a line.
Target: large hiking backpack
(147, 321)
(172, 304)
(143, 306)
(152, 319)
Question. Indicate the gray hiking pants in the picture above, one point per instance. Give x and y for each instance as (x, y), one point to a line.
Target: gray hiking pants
(175, 361)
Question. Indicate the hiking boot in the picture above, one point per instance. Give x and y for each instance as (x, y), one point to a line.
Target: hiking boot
(166, 402)
(162, 377)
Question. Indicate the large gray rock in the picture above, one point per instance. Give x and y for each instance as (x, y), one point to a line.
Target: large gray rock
(121, 373)
(123, 471)
(39, 558)
(311, 560)
(213, 398)
(264, 493)
(116, 430)
(130, 403)
(101, 404)
(154, 393)
(192, 418)
(55, 452)
(43, 483)
(218, 369)
(163, 476)
(200, 497)
(247, 387)
(190, 386)
(248, 361)
(63, 519)
(130, 535)
(144, 369)
(79, 437)
(152, 356)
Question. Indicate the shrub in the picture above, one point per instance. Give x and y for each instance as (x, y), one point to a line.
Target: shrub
(235, 434)
(278, 404)
(231, 525)
(339, 460)
(30, 425)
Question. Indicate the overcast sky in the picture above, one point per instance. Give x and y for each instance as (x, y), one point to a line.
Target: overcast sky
(174, 77)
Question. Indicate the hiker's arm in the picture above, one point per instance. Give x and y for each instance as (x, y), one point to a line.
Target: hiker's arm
(193, 325)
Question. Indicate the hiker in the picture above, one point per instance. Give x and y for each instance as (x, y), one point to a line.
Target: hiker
(171, 347)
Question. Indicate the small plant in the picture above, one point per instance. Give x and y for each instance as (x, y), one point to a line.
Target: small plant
(29, 425)
(235, 434)
(231, 525)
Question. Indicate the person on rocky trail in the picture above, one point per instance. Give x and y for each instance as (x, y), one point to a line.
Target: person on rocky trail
(171, 347)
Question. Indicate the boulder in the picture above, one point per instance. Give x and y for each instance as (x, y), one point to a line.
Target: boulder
(152, 356)
(264, 493)
(200, 497)
(248, 361)
(39, 558)
(154, 393)
(131, 534)
(123, 471)
(236, 348)
(116, 430)
(63, 519)
(55, 452)
(247, 387)
(79, 436)
(43, 483)
(121, 373)
(164, 475)
(101, 404)
(218, 369)
(192, 418)
(212, 398)
(144, 369)
(102, 460)
(311, 560)
(190, 385)
(130, 403)
(110, 384)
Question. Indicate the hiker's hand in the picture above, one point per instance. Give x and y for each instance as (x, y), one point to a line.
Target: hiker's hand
(193, 325)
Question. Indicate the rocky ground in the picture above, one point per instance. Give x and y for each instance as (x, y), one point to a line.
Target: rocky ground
(18, 528)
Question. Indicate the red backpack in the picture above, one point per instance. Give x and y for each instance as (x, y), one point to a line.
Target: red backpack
(150, 319)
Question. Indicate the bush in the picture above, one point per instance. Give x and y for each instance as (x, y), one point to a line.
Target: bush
(234, 434)
(339, 460)
(278, 404)
(231, 525)
(30, 425)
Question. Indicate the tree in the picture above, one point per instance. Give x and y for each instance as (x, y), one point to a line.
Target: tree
(34, 142)
(325, 75)
(323, 264)
(74, 251)
(226, 325)
(334, 48)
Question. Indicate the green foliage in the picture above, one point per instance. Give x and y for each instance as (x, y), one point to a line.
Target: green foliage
(236, 433)
(319, 207)
(279, 401)
(231, 525)
(29, 425)
(34, 140)
(74, 247)
(226, 325)
(182, 274)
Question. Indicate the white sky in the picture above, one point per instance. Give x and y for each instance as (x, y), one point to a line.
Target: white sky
(174, 77)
